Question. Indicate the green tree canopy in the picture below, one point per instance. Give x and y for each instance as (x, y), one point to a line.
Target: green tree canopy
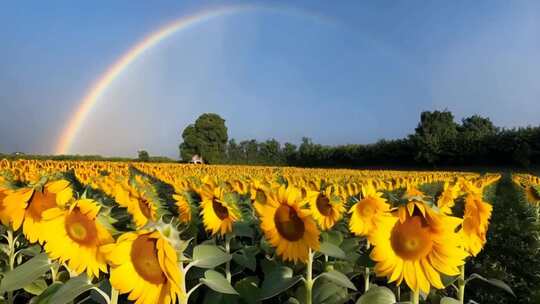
(207, 137)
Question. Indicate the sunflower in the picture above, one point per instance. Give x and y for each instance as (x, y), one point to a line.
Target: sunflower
(475, 223)
(326, 207)
(533, 195)
(287, 226)
(145, 265)
(25, 206)
(258, 191)
(138, 205)
(218, 215)
(184, 207)
(446, 200)
(75, 236)
(365, 213)
(417, 248)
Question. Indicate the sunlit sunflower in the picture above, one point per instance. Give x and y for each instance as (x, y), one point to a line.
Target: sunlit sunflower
(475, 223)
(138, 204)
(364, 214)
(259, 191)
(75, 236)
(145, 265)
(217, 214)
(25, 206)
(326, 207)
(185, 209)
(447, 198)
(287, 225)
(417, 248)
(533, 196)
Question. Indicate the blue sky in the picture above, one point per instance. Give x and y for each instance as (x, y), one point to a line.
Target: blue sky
(358, 72)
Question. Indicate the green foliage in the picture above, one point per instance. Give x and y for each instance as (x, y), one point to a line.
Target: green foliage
(512, 250)
(143, 156)
(207, 138)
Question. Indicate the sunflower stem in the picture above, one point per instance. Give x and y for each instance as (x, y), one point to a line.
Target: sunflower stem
(461, 285)
(114, 295)
(366, 272)
(228, 264)
(415, 297)
(309, 278)
(11, 256)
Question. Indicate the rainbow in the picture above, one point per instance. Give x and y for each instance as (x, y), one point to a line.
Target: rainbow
(69, 133)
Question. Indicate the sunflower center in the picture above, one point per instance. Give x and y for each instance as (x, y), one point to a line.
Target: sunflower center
(323, 205)
(145, 260)
(40, 202)
(288, 224)
(80, 228)
(144, 205)
(366, 208)
(260, 196)
(221, 211)
(411, 240)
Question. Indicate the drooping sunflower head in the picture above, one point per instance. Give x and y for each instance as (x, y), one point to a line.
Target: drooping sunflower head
(185, 208)
(144, 264)
(326, 208)
(74, 236)
(417, 249)
(218, 212)
(475, 223)
(365, 213)
(446, 200)
(287, 225)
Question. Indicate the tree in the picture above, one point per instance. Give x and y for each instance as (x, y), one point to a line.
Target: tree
(434, 135)
(477, 127)
(143, 156)
(207, 137)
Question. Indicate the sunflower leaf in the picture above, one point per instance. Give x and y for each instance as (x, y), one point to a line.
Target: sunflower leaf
(277, 281)
(26, 273)
(332, 250)
(377, 295)
(248, 288)
(447, 300)
(494, 282)
(209, 256)
(36, 287)
(72, 289)
(217, 282)
(45, 296)
(338, 278)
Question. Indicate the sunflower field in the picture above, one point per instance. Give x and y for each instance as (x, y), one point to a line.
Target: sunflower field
(124, 232)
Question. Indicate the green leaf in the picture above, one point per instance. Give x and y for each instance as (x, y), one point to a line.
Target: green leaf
(246, 257)
(45, 296)
(36, 287)
(447, 300)
(248, 288)
(72, 289)
(277, 281)
(338, 278)
(377, 295)
(333, 237)
(329, 293)
(217, 282)
(26, 273)
(209, 256)
(332, 250)
(243, 229)
(494, 282)
(448, 280)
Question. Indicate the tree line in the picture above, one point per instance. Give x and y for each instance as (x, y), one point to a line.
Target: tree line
(438, 140)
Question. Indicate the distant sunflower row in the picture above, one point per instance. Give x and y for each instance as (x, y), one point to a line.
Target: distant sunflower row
(127, 220)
